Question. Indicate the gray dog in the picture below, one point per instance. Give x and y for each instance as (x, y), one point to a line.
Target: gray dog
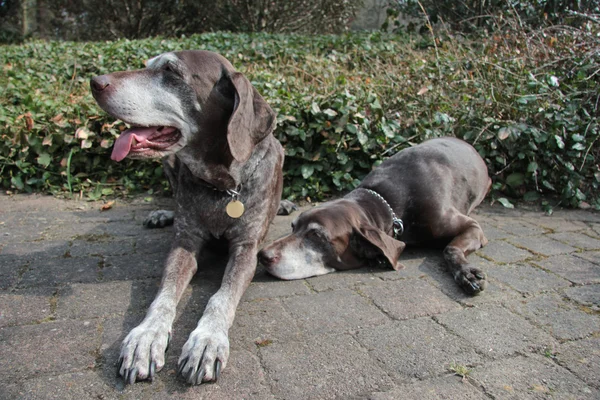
(422, 195)
(214, 132)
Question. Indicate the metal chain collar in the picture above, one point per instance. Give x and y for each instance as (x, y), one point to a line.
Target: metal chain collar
(397, 223)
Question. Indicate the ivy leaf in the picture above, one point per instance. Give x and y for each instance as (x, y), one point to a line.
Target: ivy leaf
(44, 160)
(362, 137)
(329, 112)
(559, 142)
(504, 201)
(17, 182)
(307, 170)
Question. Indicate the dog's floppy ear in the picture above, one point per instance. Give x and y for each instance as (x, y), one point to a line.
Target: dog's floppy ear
(252, 119)
(369, 242)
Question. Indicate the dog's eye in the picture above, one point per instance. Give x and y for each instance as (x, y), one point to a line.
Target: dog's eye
(169, 67)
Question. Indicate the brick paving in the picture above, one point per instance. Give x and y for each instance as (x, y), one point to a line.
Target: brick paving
(74, 280)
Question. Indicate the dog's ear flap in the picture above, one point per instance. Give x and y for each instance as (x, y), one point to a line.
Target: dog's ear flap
(252, 119)
(370, 242)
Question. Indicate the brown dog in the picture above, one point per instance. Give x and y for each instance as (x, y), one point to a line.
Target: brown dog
(214, 131)
(420, 195)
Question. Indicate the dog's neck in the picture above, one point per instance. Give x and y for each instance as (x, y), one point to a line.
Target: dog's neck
(222, 175)
(377, 209)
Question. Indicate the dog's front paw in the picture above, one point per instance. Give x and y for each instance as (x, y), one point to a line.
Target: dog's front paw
(286, 207)
(472, 280)
(204, 355)
(159, 219)
(143, 352)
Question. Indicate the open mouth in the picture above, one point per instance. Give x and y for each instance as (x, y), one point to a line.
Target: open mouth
(140, 139)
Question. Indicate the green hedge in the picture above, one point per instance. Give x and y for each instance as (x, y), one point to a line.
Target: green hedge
(344, 103)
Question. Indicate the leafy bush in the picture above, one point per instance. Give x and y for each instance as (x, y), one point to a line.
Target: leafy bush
(528, 103)
(471, 15)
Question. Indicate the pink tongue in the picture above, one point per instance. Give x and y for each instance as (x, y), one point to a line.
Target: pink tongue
(123, 143)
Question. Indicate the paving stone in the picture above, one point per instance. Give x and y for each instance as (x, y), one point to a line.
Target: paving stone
(37, 250)
(53, 347)
(262, 321)
(77, 231)
(418, 263)
(493, 233)
(322, 368)
(11, 267)
(557, 224)
(17, 232)
(91, 300)
(417, 348)
(133, 266)
(275, 288)
(71, 386)
(593, 256)
(527, 279)
(338, 311)
(54, 271)
(147, 243)
(578, 215)
(519, 226)
(582, 357)
(243, 378)
(542, 245)
(82, 248)
(557, 316)
(448, 387)
(342, 279)
(577, 239)
(495, 331)
(409, 298)
(503, 252)
(21, 307)
(532, 377)
(494, 292)
(588, 295)
(574, 269)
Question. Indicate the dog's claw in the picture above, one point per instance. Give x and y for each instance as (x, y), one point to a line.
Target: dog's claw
(119, 365)
(132, 376)
(475, 286)
(168, 342)
(190, 375)
(217, 370)
(199, 377)
(152, 371)
(181, 367)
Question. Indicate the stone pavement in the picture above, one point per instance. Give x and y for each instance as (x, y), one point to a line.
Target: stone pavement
(74, 281)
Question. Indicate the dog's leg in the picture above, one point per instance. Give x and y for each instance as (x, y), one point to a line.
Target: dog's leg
(468, 238)
(143, 350)
(159, 219)
(206, 351)
(162, 218)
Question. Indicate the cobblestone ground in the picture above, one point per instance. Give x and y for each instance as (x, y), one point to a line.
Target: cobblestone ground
(74, 280)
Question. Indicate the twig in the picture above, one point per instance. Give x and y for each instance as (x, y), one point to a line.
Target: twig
(589, 148)
(430, 27)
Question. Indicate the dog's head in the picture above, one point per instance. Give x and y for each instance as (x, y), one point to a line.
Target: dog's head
(334, 236)
(185, 99)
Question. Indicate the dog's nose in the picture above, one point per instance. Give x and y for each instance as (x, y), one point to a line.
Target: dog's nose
(267, 258)
(99, 83)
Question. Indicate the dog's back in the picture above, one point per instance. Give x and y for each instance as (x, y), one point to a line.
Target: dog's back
(424, 181)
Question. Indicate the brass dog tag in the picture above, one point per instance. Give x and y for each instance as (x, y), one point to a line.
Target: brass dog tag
(235, 209)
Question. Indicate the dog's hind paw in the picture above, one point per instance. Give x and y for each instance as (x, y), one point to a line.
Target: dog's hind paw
(286, 207)
(472, 280)
(159, 219)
